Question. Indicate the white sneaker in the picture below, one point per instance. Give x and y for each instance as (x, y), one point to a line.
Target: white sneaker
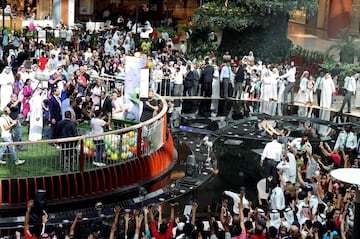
(96, 164)
(101, 164)
(2, 161)
(19, 162)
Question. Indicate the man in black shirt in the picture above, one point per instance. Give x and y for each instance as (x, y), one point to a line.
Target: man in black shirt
(105, 103)
(66, 128)
(15, 107)
(207, 78)
(239, 79)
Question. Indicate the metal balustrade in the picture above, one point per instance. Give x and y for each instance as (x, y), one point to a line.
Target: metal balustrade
(78, 154)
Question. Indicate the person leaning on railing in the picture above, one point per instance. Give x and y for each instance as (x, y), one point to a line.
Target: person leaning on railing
(149, 107)
(67, 128)
(6, 124)
(97, 127)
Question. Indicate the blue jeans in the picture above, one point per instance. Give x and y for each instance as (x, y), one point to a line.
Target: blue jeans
(100, 149)
(17, 132)
(11, 149)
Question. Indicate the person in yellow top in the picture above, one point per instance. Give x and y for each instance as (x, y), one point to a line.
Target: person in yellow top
(146, 46)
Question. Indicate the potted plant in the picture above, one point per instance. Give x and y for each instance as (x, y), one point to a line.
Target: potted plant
(346, 47)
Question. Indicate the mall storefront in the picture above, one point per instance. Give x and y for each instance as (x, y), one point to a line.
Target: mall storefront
(332, 16)
(50, 12)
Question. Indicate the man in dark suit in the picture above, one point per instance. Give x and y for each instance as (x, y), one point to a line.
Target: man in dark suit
(196, 78)
(54, 111)
(66, 128)
(105, 103)
(207, 75)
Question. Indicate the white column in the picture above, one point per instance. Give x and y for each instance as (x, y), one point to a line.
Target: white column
(71, 12)
(56, 11)
(355, 17)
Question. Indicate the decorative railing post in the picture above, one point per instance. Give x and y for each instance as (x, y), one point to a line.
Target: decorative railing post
(82, 155)
(164, 128)
(139, 149)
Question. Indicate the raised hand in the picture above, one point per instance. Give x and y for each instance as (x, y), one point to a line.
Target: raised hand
(146, 210)
(117, 209)
(174, 204)
(78, 216)
(194, 206)
(30, 203)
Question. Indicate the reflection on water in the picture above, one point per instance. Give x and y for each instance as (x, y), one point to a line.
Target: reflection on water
(241, 139)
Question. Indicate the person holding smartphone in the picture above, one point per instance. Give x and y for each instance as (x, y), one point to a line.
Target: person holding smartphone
(6, 124)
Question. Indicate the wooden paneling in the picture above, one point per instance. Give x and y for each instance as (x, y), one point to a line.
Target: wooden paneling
(339, 16)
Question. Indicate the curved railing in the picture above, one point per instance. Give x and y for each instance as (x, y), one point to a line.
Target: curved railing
(121, 145)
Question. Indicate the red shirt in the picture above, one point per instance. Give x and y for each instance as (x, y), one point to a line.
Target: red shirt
(28, 235)
(154, 34)
(82, 79)
(158, 235)
(336, 158)
(262, 236)
(42, 62)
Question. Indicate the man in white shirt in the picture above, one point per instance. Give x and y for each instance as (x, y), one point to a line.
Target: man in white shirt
(277, 197)
(178, 82)
(69, 35)
(183, 49)
(290, 76)
(272, 154)
(299, 146)
(350, 87)
(6, 124)
(346, 140)
(97, 127)
(236, 200)
(108, 45)
(284, 167)
(292, 170)
(225, 78)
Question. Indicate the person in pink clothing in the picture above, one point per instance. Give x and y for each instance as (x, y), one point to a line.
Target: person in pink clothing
(243, 232)
(27, 92)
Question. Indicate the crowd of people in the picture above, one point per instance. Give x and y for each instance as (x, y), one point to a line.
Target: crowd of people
(298, 198)
(64, 87)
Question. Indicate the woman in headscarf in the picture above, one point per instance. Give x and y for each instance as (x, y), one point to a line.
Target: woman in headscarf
(274, 74)
(251, 58)
(6, 83)
(266, 88)
(27, 92)
(310, 89)
(301, 96)
(116, 37)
